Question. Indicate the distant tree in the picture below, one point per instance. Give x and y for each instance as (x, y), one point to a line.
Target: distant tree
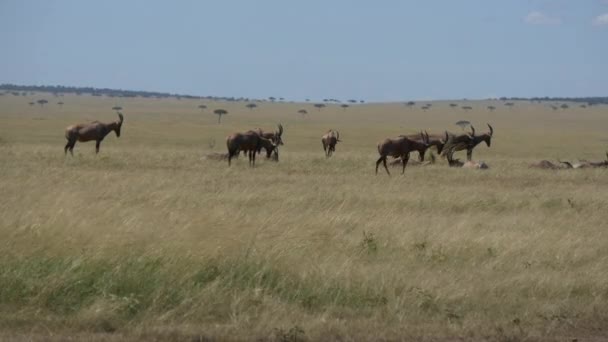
(281, 99)
(251, 106)
(361, 101)
(352, 101)
(467, 108)
(462, 123)
(219, 113)
(272, 98)
(424, 108)
(60, 104)
(117, 108)
(410, 104)
(307, 100)
(429, 105)
(453, 105)
(32, 103)
(554, 107)
(302, 112)
(319, 106)
(564, 106)
(583, 106)
(491, 108)
(510, 104)
(202, 107)
(344, 106)
(325, 100)
(42, 102)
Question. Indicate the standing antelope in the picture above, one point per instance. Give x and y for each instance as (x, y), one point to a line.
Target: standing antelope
(251, 142)
(91, 131)
(275, 137)
(436, 140)
(468, 141)
(400, 147)
(329, 141)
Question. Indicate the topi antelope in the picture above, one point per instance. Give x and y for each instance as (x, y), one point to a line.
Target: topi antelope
(91, 131)
(468, 141)
(251, 142)
(275, 137)
(400, 147)
(436, 140)
(329, 141)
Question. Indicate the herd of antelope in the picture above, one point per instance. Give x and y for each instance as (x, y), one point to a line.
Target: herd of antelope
(253, 141)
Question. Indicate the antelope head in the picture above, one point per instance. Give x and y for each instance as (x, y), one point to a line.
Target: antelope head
(278, 134)
(442, 143)
(119, 124)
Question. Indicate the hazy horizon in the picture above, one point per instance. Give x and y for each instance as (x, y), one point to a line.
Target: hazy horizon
(387, 52)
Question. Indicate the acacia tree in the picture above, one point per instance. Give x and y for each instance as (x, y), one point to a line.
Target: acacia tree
(42, 102)
(491, 108)
(32, 103)
(467, 108)
(453, 105)
(410, 104)
(319, 106)
(463, 124)
(202, 107)
(344, 106)
(510, 104)
(219, 113)
(117, 108)
(303, 112)
(251, 106)
(60, 104)
(564, 106)
(272, 98)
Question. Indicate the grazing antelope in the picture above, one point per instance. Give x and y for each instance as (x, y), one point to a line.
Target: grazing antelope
(91, 131)
(400, 147)
(468, 141)
(329, 141)
(436, 140)
(250, 142)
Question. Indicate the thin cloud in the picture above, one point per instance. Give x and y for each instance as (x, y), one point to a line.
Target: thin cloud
(601, 20)
(539, 18)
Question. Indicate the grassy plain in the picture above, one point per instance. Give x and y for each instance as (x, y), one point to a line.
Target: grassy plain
(148, 240)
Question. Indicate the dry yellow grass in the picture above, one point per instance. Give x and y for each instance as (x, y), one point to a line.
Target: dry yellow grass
(150, 240)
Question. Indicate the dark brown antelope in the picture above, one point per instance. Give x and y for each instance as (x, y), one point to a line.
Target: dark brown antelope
(436, 140)
(329, 141)
(91, 131)
(275, 137)
(400, 147)
(251, 142)
(468, 141)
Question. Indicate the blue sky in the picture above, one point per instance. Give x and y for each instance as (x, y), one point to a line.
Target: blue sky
(374, 50)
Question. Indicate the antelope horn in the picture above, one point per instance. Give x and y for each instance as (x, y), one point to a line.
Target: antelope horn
(446, 137)
(122, 118)
(280, 129)
(472, 131)
(338, 136)
(427, 136)
(491, 130)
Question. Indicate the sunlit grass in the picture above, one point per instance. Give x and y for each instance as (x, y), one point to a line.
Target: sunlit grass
(150, 240)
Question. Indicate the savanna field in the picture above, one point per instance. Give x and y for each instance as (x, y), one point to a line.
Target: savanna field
(149, 240)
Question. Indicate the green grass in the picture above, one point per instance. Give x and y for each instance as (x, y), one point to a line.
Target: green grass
(149, 240)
